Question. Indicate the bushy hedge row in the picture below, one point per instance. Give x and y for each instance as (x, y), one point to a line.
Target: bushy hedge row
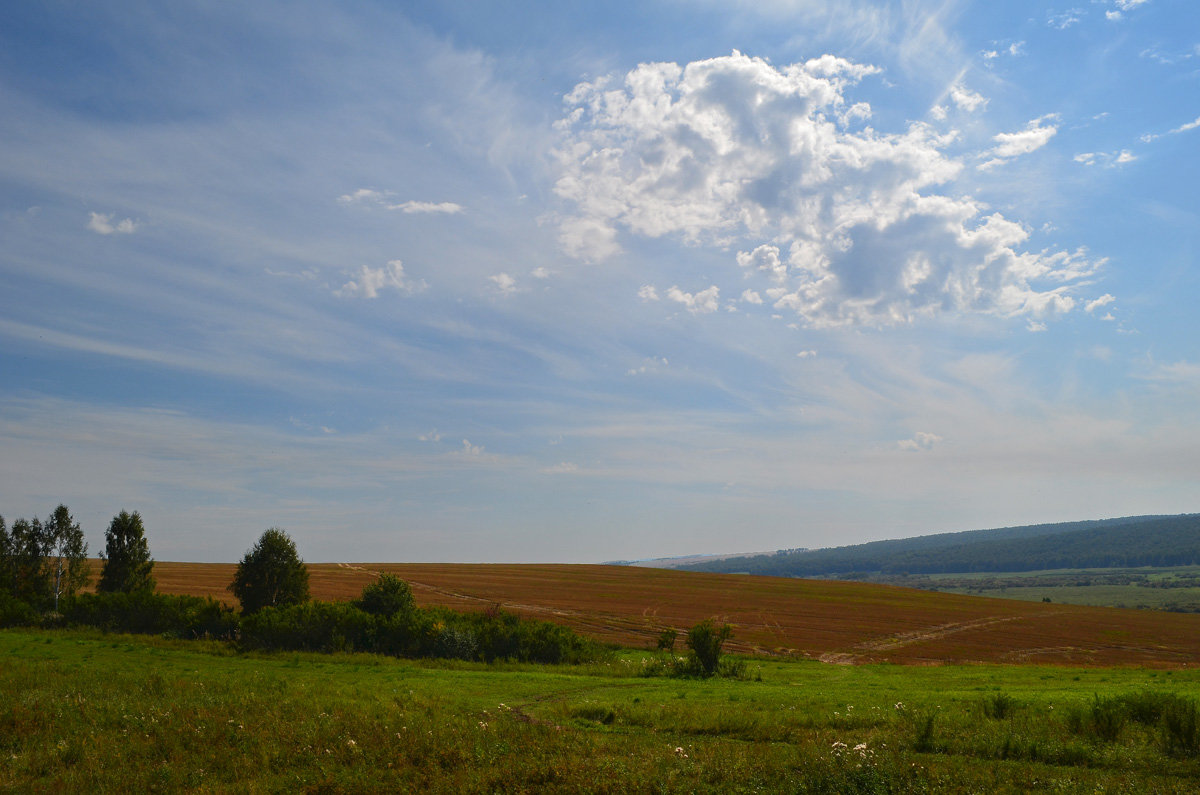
(406, 631)
(339, 626)
(150, 613)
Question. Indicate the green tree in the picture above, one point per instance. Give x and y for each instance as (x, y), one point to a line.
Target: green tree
(6, 559)
(127, 565)
(387, 596)
(705, 640)
(30, 545)
(271, 574)
(68, 554)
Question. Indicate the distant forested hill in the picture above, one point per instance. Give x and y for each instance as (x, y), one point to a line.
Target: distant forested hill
(1106, 543)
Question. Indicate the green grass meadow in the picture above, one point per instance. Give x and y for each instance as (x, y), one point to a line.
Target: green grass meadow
(83, 711)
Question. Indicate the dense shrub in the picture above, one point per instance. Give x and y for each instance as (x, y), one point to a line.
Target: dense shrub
(15, 613)
(387, 596)
(507, 636)
(310, 626)
(147, 612)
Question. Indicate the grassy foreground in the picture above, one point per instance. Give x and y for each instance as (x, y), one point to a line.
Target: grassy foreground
(82, 711)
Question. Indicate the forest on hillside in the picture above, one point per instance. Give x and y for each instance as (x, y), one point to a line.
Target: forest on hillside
(1111, 543)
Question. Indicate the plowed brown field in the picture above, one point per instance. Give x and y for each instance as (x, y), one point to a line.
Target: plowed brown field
(839, 622)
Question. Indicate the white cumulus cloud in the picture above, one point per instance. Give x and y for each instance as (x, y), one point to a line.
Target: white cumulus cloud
(922, 440)
(700, 303)
(764, 259)
(503, 283)
(966, 99)
(102, 224)
(1104, 300)
(843, 224)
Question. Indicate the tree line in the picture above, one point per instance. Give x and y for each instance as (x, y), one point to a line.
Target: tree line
(42, 562)
(44, 572)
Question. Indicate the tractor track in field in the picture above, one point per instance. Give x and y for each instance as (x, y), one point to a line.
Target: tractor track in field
(864, 650)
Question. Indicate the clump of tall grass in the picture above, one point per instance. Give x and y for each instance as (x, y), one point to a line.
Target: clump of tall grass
(1176, 719)
(999, 706)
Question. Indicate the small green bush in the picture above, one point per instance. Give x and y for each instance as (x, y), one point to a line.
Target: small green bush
(387, 596)
(705, 640)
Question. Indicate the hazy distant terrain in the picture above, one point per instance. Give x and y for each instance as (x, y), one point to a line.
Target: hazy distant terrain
(1147, 562)
(1108, 543)
(680, 561)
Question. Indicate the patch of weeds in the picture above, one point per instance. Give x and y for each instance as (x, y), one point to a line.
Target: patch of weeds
(999, 706)
(1181, 728)
(925, 741)
(1108, 718)
(595, 713)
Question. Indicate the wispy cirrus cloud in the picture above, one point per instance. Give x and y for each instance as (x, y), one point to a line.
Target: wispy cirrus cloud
(1185, 127)
(1122, 6)
(447, 208)
(1037, 133)
(369, 282)
(1065, 19)
(385, 199)
(1106, 159)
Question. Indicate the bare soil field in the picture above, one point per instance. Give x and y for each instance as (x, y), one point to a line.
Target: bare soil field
(838, 622)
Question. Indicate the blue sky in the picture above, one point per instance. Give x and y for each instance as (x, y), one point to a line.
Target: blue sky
(591, 281)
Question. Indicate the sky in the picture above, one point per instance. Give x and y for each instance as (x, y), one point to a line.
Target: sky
(579, 282)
